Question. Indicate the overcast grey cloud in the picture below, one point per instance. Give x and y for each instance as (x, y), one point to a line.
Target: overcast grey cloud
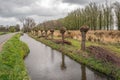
(40, 10)
(84, 2)
(53, 9)
(81, 2)
(19, 8)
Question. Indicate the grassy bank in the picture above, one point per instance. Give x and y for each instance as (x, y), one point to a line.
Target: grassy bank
(11, 60)
(73, 52)
(1, 33)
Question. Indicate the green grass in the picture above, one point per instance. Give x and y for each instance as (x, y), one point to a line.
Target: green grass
(71, 51)
(1, 33)
(115, 48)
(11, 60)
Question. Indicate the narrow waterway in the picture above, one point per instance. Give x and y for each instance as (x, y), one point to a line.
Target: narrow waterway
(44, 63)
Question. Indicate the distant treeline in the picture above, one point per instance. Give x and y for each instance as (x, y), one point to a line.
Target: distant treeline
(96, 16)
(15, 28)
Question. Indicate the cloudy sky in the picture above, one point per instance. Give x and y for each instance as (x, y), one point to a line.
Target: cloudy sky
(40, 10)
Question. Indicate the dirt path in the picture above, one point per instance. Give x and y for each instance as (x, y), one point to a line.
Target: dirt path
(4, 38)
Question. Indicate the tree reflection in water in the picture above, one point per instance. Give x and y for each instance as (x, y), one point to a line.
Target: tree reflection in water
(63, 66)
(52, 55)
(83, 72)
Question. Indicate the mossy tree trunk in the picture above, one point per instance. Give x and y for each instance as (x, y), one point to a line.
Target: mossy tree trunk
(52, 32)
(62, 31)
(46, 34)
(52, 36)
(83, 40)
(62, 38)
(41, 32)
(83, 30)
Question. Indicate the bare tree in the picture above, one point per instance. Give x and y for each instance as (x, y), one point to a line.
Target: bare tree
(22, 20)
(28, 23)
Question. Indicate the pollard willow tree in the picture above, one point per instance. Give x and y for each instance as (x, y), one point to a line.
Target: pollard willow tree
(52, 32)
(41, 30)
(45, 29)
(62, 31)
(83, 30)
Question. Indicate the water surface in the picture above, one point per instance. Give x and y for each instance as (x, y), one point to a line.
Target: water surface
(44, 63)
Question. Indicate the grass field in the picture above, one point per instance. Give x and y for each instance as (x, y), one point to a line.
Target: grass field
(1, 33)
(74, 52)
(104, 36)
(11, 60)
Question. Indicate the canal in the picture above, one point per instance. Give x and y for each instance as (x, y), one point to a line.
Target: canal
(44, 63)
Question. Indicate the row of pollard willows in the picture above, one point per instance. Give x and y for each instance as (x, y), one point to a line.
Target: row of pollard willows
(83, 30)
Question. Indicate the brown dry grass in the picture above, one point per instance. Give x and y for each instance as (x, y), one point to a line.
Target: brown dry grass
(98, 35)
(93, 36)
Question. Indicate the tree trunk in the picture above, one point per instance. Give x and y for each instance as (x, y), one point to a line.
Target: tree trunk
(52, 35)
(100, 21)
(83, 40)
(41, 33)
(45, 35)
(62, 38)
